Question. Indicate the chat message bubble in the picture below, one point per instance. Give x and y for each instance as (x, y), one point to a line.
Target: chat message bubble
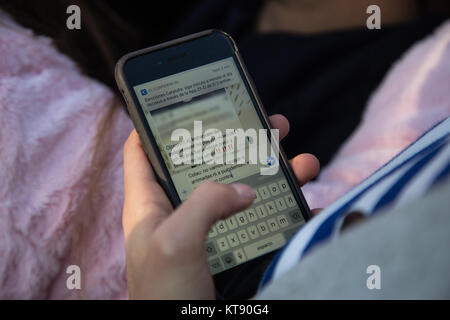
(186, 85)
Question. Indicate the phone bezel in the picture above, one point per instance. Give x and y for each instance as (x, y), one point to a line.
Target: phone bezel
(219, 45)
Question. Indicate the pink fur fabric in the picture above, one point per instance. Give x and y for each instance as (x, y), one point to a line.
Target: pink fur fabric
(49, 116)
(413, 97)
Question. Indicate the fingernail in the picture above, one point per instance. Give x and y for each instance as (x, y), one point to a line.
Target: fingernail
(244, 191)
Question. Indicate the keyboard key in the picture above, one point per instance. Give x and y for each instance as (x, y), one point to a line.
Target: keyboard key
(228, 260)
(211, 249)
(239, 256)
(273, 225)
(281, 205)
(296, 216)
(243, 236)
(221, 226)
(261, 211)
(282, 221)
(253, 232)
(290, 200)
(283, 185)
(222, 244)
(262, 228)
(233, 239)
(242, 220)
(213, 232)
(257, 197)
(264, 192)
(232, 223)
(274, 189)
(261, 247)
(271, 209)
(251, 215)
(215, 265)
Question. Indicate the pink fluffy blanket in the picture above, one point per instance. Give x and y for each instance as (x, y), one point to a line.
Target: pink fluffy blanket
(50, 115)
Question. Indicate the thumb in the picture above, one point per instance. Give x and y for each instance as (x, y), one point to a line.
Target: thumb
(208, 203)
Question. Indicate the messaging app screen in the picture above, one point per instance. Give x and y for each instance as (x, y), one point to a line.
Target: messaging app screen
(194, 116)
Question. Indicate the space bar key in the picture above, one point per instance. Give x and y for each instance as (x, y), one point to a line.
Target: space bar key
(264, 246)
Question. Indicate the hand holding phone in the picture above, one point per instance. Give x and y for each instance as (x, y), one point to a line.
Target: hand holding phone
(184, 273)
(182, 96)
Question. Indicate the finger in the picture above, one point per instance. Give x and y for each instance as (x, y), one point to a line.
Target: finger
(305, 167)
(135, 162)
(280, 122)
(207, 204)
(144, 197)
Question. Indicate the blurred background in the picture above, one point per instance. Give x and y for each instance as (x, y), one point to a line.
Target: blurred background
(316, 62)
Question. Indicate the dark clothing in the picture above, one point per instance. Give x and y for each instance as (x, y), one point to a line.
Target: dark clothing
(320, 82)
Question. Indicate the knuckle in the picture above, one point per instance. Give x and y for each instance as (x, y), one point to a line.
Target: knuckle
(214, 190)
(208, 187)
(167, 247)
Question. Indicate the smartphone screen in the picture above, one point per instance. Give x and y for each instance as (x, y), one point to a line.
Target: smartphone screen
(207, 102)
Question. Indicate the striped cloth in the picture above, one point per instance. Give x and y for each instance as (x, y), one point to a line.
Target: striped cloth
(407, 176)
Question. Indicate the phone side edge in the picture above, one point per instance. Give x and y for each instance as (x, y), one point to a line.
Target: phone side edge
(150, 150)
(306, 212)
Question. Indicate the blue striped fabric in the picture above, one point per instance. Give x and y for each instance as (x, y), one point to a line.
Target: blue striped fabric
(407, 176)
